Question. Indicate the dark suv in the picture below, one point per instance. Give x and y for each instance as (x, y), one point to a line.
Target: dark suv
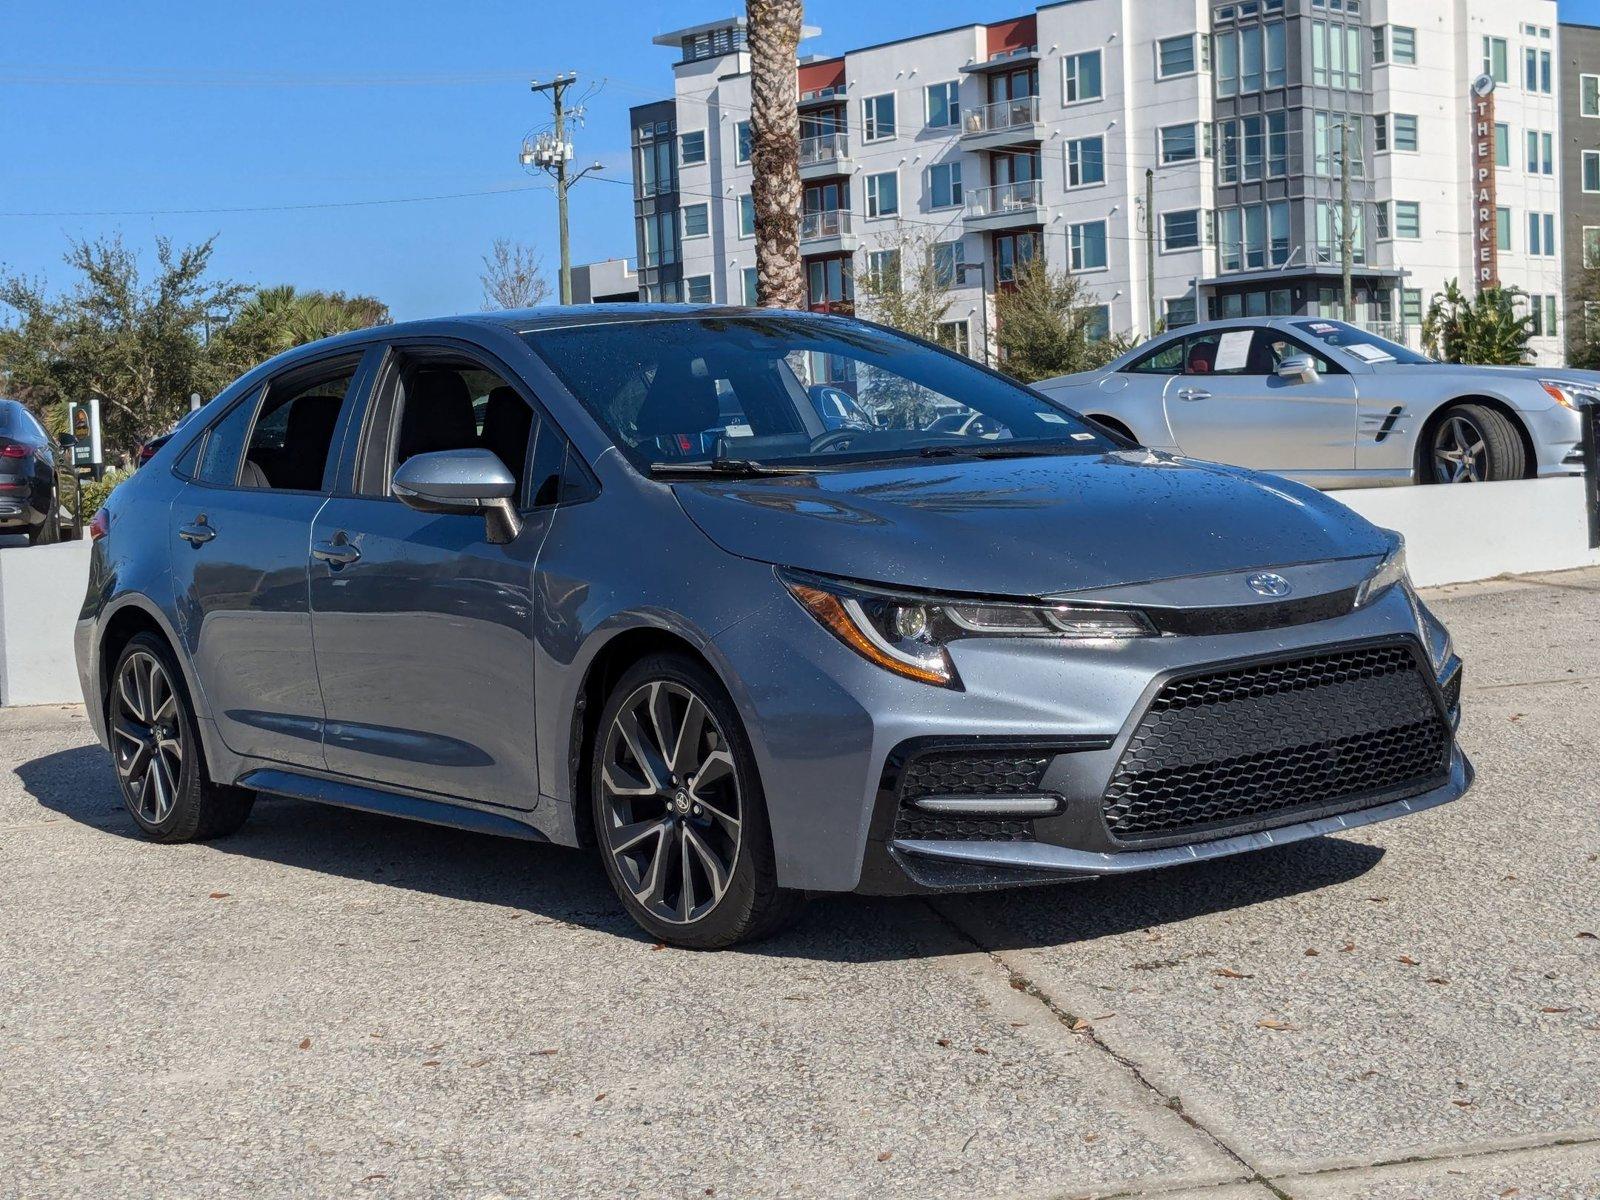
(28, 495)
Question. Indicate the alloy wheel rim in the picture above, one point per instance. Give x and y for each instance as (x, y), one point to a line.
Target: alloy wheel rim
(1458, 452)
(147, 729)
(671, 803)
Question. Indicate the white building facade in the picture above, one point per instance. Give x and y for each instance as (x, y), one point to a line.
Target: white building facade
(988, 145)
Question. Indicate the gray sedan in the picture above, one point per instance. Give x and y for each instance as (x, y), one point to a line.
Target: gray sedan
(1335, 406)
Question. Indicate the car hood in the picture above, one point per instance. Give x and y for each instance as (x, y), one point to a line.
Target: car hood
(1532, 373)
(1028, 526)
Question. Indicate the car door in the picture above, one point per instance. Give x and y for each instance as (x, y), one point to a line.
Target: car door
(424, 629)
(241, 528)
(1228, 404)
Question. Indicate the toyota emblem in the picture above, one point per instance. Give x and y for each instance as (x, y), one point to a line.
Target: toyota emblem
(1268, 584)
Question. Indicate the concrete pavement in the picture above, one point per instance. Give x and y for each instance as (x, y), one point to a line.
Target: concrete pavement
(331, 1002)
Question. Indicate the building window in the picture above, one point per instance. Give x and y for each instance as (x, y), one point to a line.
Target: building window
(1251, 58)
(883, 194)
(1591, 170)
(1253, 147)
(1380, 132)
(1328, 139)
(741, 142)
(1411, 306)
(1380, 45)
(1329, 227)
(1494, 59)
(1253, 236)
(1502, 229)
(657, 173)
(1407, 219)
(954, 335)
(1086, 161)
(1542, 234)
(883, 267)
(1541, 152)
(1179, 143)
(944, 105)
(1086, 246)
(1536, 70)
(747, 215)
(692, 148)
(1012, 253)
(1081, 73)
(1591, 247)
(1175, 56)
(1380, 214)
(1403, 45)
(948, 259)
(697, 289)
(1543, 311)
(878, 117)
(696, 221)
(1180, 230)
(828, 282)
(1405, 131)
(1502, 144)
(751, 288)
(1336, 55)
(944, 185)
(1181, 311)
(1589, 95)
(661, 238)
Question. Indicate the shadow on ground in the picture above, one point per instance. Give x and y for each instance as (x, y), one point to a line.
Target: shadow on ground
(568, 885)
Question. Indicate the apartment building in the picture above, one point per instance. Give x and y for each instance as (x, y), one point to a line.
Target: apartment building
(1580, 165)
(988, 145)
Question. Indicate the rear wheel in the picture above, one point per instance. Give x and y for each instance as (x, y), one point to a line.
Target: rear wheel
(679, 811)
(155, 745)
(1472, 443)
(48, 531)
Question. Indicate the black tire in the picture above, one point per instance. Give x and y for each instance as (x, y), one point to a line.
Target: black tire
(48, 531)
(180, 803)
(1472, 443)
(752, 906)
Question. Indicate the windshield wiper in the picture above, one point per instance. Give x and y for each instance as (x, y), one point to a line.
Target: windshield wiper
(732, 468)
(998, 450)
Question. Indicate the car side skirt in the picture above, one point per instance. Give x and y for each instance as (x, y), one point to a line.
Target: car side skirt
(390, 804)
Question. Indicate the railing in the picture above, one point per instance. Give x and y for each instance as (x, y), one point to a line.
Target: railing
(1002, 115)
(830, 222)
(1005, 198)
(824, 147)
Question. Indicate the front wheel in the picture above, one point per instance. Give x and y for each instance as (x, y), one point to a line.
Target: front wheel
(679, 812)
(1474, 444)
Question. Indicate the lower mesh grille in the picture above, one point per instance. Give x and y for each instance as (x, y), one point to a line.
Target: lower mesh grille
(1244, 745)
(968, 773)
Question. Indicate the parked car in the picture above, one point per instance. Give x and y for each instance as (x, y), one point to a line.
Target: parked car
(1334, 406)
(808, 660)
(29, 503)
(147, 451)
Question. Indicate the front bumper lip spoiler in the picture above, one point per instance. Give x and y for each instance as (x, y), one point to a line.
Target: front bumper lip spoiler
(1074, 864)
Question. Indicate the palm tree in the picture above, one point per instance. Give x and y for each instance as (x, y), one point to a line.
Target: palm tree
(774, 37)
(1485, 328)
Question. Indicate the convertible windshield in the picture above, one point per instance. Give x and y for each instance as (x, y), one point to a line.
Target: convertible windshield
(795, 390)
(1358, 343)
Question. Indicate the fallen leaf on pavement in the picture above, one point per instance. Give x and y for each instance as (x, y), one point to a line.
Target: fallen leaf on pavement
(1081, 1026)
(543, 1053)
(1440, 980)
(1511, 1191)
(979, 1050)
(432, 1062)
(1312, 952)
(1347, 947)
(1586, 934)
(1405, 960)
(1267, 1023)
(1378, 899)
(1228, 973)
(305, 1043)
(944, 1041)
(1550, 1008)
(886, 1156)
(1463, 1104)
(1091, 1137)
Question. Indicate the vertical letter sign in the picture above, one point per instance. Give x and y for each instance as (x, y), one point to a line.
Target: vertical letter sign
(1485, 223)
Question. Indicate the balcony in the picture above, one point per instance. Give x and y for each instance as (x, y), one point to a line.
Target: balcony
(825, 154)
(1007, 206)
(830, 231)
(1004, 123)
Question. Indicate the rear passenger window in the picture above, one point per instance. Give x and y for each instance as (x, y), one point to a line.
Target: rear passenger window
(219, 464)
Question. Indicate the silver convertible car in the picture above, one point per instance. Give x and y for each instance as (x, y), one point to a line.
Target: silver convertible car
(1334, 406)
(607, 578)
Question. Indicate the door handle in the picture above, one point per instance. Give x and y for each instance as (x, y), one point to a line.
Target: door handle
(199, 533)
(1193, 394)
(337, 553)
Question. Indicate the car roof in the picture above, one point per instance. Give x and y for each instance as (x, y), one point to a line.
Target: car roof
(1246, 322)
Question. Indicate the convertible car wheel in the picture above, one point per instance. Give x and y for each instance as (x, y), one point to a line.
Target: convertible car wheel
(1474, 444)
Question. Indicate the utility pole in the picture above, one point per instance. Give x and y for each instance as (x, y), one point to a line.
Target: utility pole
(1347, 233)
(551, 153)
(1150, 247)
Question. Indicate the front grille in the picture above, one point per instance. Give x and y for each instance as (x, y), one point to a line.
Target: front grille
(968, 773)
(1318, 731)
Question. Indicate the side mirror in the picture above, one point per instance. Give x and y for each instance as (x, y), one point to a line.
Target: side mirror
(66, 441)
(462, 481)
(1298, 368)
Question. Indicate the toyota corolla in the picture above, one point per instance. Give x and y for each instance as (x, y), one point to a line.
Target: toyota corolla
(605, 578)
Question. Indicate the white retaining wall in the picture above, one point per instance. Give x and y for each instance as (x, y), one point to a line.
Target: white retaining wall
(1453, 534)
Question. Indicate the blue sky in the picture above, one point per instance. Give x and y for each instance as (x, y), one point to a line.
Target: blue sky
(124, 108)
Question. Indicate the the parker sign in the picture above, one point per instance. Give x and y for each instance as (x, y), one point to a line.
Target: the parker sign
(1486, 225)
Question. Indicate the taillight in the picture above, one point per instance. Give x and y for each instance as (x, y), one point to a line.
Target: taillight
(14, 450)
(99, 525)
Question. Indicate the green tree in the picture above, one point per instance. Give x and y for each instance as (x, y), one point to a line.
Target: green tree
(280, 318)
(138, 343)
(1583, 321)
(1045, 326)
(910, 290)
(1486, 328)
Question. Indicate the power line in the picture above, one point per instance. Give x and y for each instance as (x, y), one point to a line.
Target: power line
(259, 208)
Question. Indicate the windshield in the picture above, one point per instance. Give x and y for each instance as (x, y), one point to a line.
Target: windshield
(1358, 343)
(795, 390)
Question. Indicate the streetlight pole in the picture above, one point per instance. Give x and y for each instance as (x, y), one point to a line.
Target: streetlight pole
(982, 268)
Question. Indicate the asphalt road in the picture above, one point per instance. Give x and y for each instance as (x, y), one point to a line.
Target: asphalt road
(332, 1003)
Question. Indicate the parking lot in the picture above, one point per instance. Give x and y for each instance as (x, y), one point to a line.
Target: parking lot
(335, 1003)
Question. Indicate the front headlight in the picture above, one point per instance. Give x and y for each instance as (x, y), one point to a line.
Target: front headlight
(1391, 570)
(1569, 394)
(907, 632)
